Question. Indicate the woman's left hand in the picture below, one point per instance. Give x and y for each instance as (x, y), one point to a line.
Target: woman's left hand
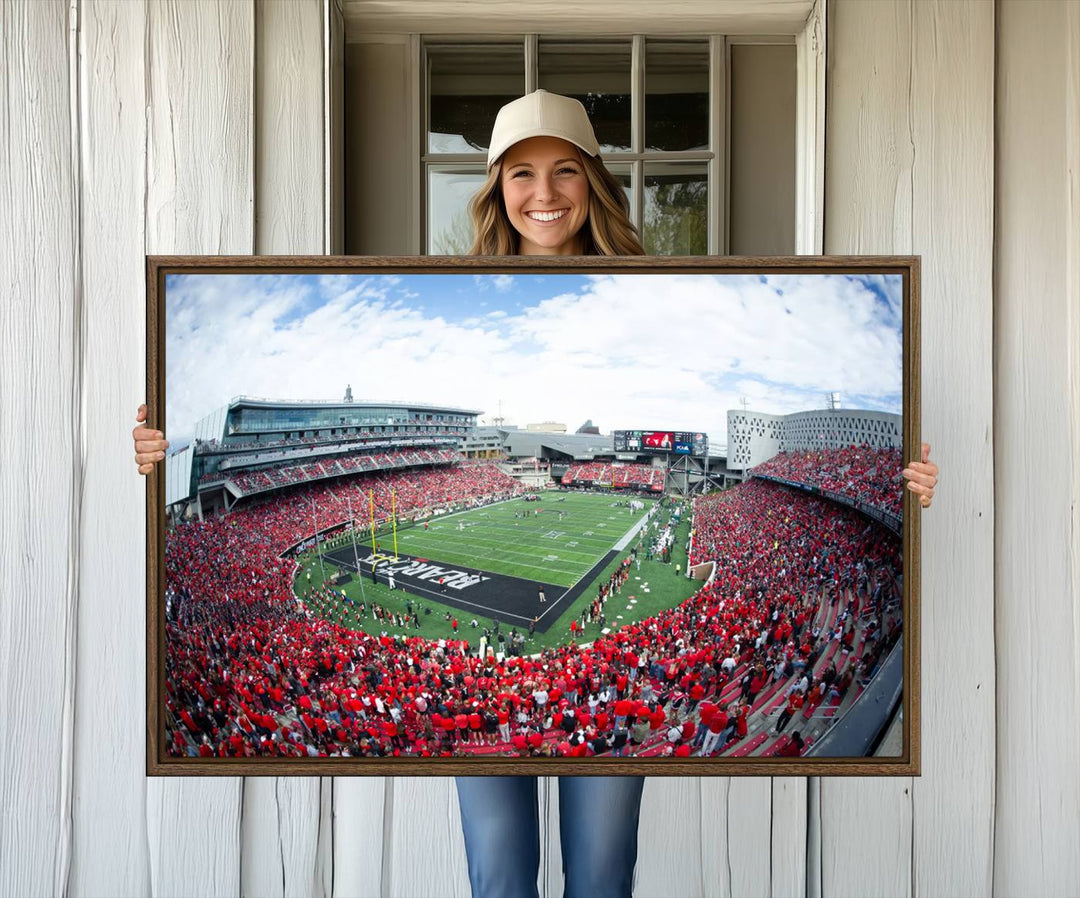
(922, 477)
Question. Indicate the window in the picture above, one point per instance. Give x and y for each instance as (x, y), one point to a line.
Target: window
(656, 104)
(717, 139)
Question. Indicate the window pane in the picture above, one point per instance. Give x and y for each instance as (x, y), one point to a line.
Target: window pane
(762, 160)
(676, 209)
(623, 175)
(676, 95)
(466, 87)
(597, 74)
(449, 191)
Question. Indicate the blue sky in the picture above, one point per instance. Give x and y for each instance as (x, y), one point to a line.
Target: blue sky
(453, 297)
(628, 351)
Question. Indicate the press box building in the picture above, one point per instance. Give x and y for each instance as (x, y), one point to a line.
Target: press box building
(252, 445)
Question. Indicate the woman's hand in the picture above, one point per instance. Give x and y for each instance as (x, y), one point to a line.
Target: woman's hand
(150, 445)
(922, 477)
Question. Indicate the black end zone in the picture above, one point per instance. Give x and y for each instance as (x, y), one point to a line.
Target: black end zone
(512, 600)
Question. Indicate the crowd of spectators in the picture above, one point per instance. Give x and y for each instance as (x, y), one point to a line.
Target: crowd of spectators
(288, 473)
(617, 476)
(799, 582)
(858, 472)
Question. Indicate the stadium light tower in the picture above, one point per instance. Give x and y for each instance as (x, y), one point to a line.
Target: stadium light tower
(318, 548)
(833, 400)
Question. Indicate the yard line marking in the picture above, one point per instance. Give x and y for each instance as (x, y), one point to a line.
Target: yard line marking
(512, 543)
(618, 547)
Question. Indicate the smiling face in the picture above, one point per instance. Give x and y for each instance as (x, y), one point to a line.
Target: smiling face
(546, 195)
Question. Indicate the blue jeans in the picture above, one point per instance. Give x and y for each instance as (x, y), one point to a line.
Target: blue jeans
(598, 823)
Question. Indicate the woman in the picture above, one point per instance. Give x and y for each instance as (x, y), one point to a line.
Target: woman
(547, 193)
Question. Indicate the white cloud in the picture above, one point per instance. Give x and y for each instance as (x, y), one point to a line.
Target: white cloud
(501, 282)
(663, 351)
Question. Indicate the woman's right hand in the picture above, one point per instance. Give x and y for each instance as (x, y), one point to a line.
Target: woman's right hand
(150, 445)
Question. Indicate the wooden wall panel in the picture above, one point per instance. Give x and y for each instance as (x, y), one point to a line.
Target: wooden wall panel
(290, 157)
(424, 849)
(200, 150)
(280, 838)
(1037, 446)
(952, 122)
(909, 158)
(41, 446)
(671, 833)
(110, 854)
(193, 831)
(282, 816)
(868, 172)
(360, 808)
(787, 844)
(155, 150)
(199, 200)
(810, 133)
(736, 828)
(551, 875)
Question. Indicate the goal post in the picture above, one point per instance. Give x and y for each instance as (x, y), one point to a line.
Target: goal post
(393, 519)
(376, 552)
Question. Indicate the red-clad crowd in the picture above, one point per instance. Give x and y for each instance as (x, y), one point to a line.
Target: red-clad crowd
(617, 476)
(250, 672)
(858, 472)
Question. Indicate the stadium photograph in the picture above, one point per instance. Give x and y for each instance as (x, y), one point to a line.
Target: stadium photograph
(637, 516)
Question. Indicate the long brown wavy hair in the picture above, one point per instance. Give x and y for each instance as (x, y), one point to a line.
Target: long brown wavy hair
(607, 230)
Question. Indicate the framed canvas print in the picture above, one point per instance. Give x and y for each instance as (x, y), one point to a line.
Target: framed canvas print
(549, 516)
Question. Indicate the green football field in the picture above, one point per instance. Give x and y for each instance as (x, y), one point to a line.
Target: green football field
(556, 540)
(653, 584)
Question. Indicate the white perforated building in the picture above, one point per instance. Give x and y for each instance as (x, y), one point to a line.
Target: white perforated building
(755, 437)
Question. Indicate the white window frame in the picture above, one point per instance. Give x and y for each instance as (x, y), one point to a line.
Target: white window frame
(810, 126)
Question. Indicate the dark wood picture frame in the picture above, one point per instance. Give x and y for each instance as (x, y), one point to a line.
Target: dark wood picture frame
(907, 763)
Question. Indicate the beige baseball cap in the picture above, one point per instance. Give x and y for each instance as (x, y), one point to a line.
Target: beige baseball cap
(541, 114)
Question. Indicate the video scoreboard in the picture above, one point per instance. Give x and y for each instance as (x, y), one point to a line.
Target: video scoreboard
(677, 442)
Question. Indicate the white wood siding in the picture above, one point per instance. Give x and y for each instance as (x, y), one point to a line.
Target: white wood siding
(41, 432)
(109, 820)
(909, 169)
(200, 198)
(135, 127)
(1037, 450)
(284, 849)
